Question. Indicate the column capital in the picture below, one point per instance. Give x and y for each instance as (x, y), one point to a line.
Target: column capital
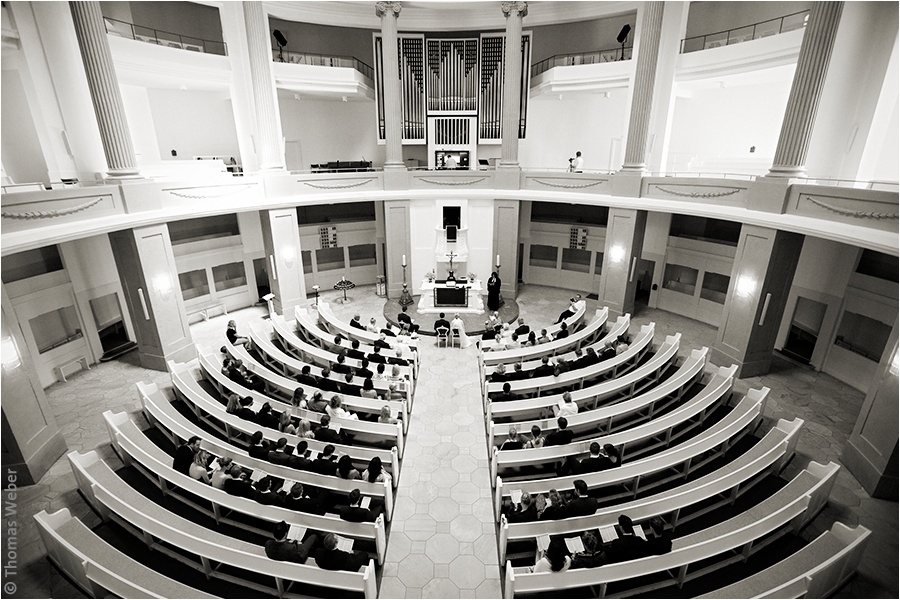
(387, 8)
(514, 8)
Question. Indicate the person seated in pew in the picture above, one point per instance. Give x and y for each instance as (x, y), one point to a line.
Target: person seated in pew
(488, 331)
(582, 504)
(566, 406)
(562, 365)
(336, 409)
(348, 388)
(375, 356)
(372, 327)
(544, 369)
(317, 403)
(561, 436)
(285, 425)
(184, 455)
(375, 472)
(499, 373)
(368, 389)
(537, 438)
(266, 417)
(345, 468)
(354, 351)
(590, 359)
(381, 342)
(300, 502)
(403, 317)
(442, 322)
(506, 395)
(398, 359)
(326, 384)
(337, 347)
(518, 373)
(297, 459)
(555, 559)
(355, 513)
(198, 469)
(264, 493)
(554, 507)
(394, 393)
(380, 372)
(281, 548)
(522, 329)
(627, 546)
(363, 370)
(304, 429)
(341, 365)
(609, 350)
(298, 398)
(238, 484)
(387, 331)
(532, 340)
(593, 555)
(354, 322)
(237, 407)
(326, 462)
(280, 454)
(233, 337)
(239, 374)
(621, 344)
(563, 331)
(220, 475)
(524, 511)
(330, 558)
(306, 377)
(513, 342)
(385, 415)
(259, 448)
(513, 441)
(325, 434)
(661, 542)
(544, 338)
(575, 303)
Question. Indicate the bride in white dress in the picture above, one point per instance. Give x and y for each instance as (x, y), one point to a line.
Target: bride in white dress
(458, 325)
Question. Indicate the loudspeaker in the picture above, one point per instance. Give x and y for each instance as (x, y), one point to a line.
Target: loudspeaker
(279, 37)
(623, 35)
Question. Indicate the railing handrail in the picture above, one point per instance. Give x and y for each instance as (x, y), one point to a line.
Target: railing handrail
(754, 25)
(535, 68)
(361, 66)
(180, 36)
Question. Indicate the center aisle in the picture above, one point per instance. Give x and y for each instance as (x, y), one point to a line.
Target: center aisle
(443, 541)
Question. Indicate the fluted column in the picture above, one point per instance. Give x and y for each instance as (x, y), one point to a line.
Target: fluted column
(269, 145)
(806, 90)
(104, 87)
(642, 91)
(512, 83)
(393, 115)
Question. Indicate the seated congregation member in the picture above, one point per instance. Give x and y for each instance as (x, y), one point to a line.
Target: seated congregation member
(239, 374)
(280, 454)
(597, 461)
(575, 303)
(394, 393)
(264, 493)
(363, 370)
(238, 484)
(563, 331)
(661, 542)
(345, 468)
(348, 388)
(554, 507)
(403, 317)
(336, 409)
(488, 332)
(354, 512)
(566, 406)
(304, 430)
(544, 369)
(331, 559)
(259, 448)
(513, 342)
(381, 342)
(338, 345)
(285, 425)
(375, 473)
(236, 406)
(499, 373)
(299, 501)
(518, 373)
(379, 372)
(608, 351)
(561, 436)
(354, 351)
(184, 455)
(441, 322)
(524, 511)
(590, 359)
(522, 329)
(325, 463)
(317, 403)
(621, 344)
(233, 337)
(325, 434)
(266, 417)
(368, 389)
(398, 359)
(555, 559)
(506, 395)
(281, 548)
(354, 322)
(593, 555)
(306, 377)
(372, 327)
(385, 417)
(627, 546)
(544, 338)
(582, 504)
(297, 459)
(220, 475)
(532, 340)
(198, 468)
(537, 438)
(341, 365)
(326, 384)
(375, 356)
(513, 441)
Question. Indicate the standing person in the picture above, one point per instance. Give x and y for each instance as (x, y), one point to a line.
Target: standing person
(579, 162)
(571, 168)
(493, 288)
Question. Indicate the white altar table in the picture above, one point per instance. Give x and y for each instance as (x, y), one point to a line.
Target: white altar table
(475, 301)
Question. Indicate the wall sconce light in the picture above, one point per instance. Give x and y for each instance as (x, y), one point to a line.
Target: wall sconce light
(289, 255)
(162, 285)
(894, 368)
(745, 286)
(617, 254)
(10, 353)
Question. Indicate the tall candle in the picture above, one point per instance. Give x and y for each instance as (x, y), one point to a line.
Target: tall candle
(498, 259)
(404, 260)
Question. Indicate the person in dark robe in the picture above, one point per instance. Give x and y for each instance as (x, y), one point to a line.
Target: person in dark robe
(493, 288)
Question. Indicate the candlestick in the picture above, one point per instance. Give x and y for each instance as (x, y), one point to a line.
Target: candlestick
(404, 260)
(498, 259)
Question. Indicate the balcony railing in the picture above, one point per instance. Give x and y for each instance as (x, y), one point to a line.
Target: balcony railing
(746, 33)
(323, 60)
(584, 58)
(163, 38)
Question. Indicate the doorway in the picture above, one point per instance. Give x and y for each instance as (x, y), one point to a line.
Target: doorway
(110, 327)
(804, 331)
(643, 273)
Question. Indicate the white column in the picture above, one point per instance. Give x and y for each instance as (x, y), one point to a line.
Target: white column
(806, 90)
(642, 90)
(393, 115)
(512, 83)
(269, 141)
(104, 86)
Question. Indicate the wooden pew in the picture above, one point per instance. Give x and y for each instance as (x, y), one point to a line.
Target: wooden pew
(186, 383)
(789, 509)
(655, 470)
(637, 439)
(336, 325)
(572, 322)
(99, 569)
(365, 431)
(684, 503)
(588, 334)
(818, 570)
(189, 542)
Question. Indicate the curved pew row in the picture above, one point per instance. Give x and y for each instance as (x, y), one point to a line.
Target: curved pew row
(136, 449)
(593, 396)
(99, 569)
(789, 509)
(335, 325)
(282, 386)
(185, 381)
(652, 471)
(682, 504)
(628, 412)
(637, 438)
(573, 323)
(367, 432)
(188, 542)
(577, 377)
(818, 570)
(587, 335)
(286, 334)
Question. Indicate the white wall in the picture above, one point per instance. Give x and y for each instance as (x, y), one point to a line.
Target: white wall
(140, 124)
(193, 123)
(23, 160)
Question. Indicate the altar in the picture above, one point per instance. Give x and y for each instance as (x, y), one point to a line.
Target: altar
(439, 296)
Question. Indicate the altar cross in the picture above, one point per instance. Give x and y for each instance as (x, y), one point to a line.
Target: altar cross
(450, 256)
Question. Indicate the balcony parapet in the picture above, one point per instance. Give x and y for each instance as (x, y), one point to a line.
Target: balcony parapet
(876, 209)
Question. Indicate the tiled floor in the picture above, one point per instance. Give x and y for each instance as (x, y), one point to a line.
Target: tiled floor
(442, 541)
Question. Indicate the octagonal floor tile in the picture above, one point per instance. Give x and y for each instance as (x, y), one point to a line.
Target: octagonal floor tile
(466, 528)
(440, 588)
(416, 571)
(444, 509)
(442, 548)
(467, 571)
